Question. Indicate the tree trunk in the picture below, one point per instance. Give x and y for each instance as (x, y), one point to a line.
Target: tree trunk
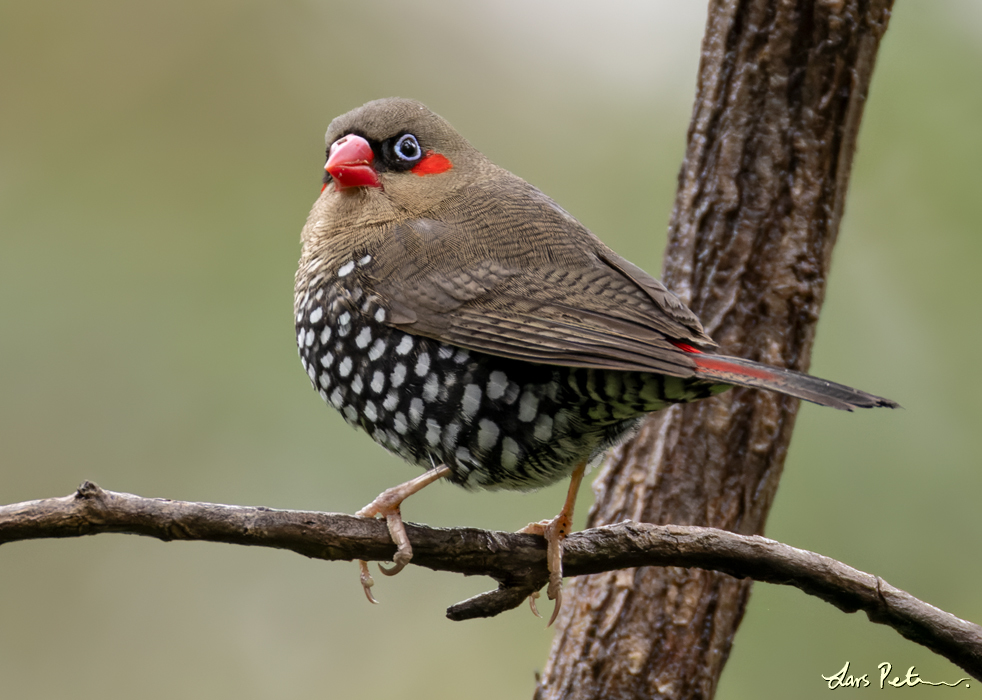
(780, 96)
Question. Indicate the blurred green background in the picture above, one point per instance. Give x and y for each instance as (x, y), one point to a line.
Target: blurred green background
(157, 161)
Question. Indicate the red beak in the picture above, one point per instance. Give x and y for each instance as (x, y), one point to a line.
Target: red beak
(350, 163)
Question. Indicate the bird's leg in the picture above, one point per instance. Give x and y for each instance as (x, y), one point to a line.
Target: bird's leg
(555, 532)
(387, 504)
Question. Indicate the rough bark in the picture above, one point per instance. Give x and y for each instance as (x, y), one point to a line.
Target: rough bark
(779, 100)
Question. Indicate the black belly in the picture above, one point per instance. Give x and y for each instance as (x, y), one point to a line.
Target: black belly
(495, 422)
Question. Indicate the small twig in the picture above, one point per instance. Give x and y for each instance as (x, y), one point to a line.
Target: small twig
(516, 561)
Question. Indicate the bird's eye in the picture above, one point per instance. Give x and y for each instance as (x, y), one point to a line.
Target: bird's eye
(407, 148)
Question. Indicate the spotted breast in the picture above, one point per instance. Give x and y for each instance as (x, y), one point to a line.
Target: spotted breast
(495, 422)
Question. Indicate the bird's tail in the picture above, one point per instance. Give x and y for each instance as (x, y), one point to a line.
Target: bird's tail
(734, 370)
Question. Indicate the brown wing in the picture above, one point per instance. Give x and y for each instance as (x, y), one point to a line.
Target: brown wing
(512, 274)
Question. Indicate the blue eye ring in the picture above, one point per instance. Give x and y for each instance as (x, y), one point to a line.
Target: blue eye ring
(407, 148)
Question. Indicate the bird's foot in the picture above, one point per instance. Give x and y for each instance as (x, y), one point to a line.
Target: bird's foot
(387, 504)
(554, 531)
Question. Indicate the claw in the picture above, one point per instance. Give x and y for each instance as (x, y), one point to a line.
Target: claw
(400, 560)
(387, 504)
(367, 581)
(559, 604)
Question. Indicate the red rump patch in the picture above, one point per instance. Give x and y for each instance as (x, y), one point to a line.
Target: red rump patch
(711, 363)
(685, 348)
(432, 164)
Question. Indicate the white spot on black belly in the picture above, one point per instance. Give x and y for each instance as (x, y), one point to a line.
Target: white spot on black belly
(357, 384)
(405, 345)
(450, 435)
(511, 393)
(327, 359)
(423, 364)
(399, 423)
(344, 324)
(346, 269)
(398, 375)
(487, 434)
(528, 406)
(344, 369)
(543, 427)
(415, 411)
(497, 383)
(432, 432)
(510, 453)
(363, 338)
(370, 412)
(325, 335)
(431, 387)
(316, 314)
(337, 398)
(377, 349)
(471, 401)
(378, 382)
(444, 393)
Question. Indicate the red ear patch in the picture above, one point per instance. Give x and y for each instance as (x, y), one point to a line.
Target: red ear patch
(432, 164)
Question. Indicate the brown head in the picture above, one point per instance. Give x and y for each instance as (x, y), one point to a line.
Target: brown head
(396, 157)
(389, 161)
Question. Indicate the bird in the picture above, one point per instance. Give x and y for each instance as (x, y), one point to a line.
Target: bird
(473, 327)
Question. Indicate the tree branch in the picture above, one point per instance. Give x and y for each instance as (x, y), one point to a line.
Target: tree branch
(516, 561)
